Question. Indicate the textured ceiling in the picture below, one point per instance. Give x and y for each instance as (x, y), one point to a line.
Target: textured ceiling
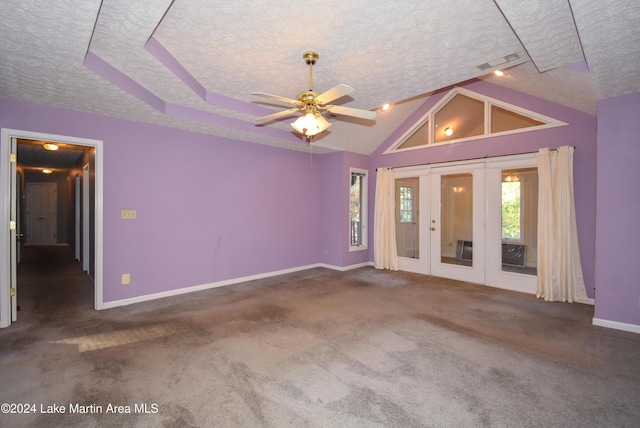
(191, 64)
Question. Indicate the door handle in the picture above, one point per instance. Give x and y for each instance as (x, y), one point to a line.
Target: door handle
(433, 228)
(40, 218)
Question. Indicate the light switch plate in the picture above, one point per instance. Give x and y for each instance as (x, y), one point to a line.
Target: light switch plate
(126, 278)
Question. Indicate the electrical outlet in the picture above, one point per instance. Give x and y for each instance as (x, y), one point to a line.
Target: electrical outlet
(128, 214)
(126, 279)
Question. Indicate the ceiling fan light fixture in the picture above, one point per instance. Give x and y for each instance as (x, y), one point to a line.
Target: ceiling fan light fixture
(311, 124)
(310, 103)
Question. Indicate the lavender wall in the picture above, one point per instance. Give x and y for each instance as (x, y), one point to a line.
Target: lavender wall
(581, 133)
(618, 234)
(334, 200)
(208, 209)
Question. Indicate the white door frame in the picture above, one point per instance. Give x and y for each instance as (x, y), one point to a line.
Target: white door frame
(77, 216)
(6, 136)
(13, 230)
(85, 217)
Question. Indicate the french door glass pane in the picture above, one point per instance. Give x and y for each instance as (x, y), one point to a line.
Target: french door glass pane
(407, 219)
(456, 216)
(520, 220)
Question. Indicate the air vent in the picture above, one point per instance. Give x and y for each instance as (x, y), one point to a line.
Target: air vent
(498, 61)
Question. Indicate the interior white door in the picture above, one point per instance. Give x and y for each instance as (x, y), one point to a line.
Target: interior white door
(457, 232)
(13, 254)
(42, 216)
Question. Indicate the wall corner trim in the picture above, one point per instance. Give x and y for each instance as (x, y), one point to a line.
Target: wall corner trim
(632, 328)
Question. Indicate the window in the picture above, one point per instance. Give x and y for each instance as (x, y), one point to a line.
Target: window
(406, 205)
(358, 209)
(463, 115)
(460, 117)
(511, 208)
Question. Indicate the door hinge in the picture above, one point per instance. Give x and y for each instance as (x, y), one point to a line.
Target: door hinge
(12, 292)
(13, 158)
(12, 225)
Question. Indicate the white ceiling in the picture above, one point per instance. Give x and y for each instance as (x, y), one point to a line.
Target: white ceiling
(191, 64)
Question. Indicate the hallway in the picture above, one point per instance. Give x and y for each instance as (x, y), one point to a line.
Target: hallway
(51, 287)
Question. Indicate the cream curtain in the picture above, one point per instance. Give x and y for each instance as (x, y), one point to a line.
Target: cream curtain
(385, 252)
(559, 266)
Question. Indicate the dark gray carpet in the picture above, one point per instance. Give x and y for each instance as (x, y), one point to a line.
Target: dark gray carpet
(317, 348)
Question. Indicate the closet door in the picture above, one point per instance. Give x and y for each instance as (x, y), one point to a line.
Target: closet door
(456, 226)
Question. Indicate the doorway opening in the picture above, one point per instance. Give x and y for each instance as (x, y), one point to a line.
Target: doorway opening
(53, 201)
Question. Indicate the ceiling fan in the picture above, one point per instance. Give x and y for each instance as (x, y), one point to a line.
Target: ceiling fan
(312, 104)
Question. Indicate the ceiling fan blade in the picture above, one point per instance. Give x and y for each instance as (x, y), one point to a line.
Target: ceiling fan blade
(276, 97)
(275, 116)
(353, 112)
(334, 93)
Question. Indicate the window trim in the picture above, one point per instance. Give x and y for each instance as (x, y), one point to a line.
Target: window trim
(363, 209)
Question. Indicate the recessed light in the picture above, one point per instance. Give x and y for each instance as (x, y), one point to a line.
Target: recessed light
(499, 73)
(385, 107)
(51, 147)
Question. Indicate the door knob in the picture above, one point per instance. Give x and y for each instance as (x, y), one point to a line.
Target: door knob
(433, 228)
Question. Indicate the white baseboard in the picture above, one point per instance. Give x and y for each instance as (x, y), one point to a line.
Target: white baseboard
(632, 328)
(344, 268)
(179, 291)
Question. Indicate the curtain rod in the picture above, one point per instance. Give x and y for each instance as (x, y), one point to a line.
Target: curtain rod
(470, 159)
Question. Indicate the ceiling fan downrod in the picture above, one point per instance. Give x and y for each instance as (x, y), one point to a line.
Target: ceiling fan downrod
(310, 58)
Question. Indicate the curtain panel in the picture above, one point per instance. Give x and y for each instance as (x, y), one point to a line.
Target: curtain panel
(559, 265)
(385, 252)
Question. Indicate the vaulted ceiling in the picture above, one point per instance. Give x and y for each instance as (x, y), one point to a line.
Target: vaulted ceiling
(191, 64)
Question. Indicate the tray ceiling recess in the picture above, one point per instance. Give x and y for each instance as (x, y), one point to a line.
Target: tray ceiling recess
(192, 64)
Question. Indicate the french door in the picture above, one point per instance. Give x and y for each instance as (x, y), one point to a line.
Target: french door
(457, 222)
(471, 221)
